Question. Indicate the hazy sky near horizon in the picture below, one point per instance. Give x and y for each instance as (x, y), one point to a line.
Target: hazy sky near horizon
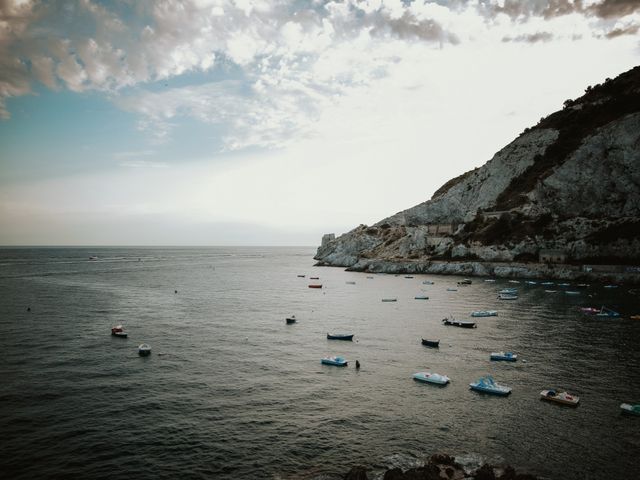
(214, 122)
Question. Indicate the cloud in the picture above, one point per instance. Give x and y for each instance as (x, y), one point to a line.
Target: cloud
(630, 30)
(530, 38)
(284, 62)
(615, 8)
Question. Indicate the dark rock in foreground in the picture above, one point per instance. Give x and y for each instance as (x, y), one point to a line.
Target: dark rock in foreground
(443, 467)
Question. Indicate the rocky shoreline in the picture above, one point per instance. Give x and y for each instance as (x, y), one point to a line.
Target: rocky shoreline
(444, 467)
(534, 271)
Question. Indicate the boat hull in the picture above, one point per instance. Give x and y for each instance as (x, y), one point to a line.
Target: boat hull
(433, 379)
(334, 362)
(502, 392)
(431, 343)
(562, 398)
(630, 409)
(290, 321)
(501, 357)
(456, 323)
(348, 338)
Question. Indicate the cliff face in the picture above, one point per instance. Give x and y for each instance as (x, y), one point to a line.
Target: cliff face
(571, 184)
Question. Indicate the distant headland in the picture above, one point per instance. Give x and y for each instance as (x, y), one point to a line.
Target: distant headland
(560, 201)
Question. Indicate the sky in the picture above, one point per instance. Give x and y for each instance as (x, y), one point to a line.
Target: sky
(250, 122)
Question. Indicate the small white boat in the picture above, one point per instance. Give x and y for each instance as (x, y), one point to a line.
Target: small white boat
(484, 313)
(491, 280)
(563, 398)
(628, 408)
(531, 282)
(509, 291)
(335, 361)
(428, 377)
(514, 281)
(572, 292)
(144, 350)
(118, 331)
(389, 299)
(551, 291)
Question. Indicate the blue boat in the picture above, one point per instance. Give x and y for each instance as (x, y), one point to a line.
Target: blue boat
(504, 356)
(340, 336)
(337, 361)
(487, 385)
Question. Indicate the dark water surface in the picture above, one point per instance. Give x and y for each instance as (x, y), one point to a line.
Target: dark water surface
(230, 391)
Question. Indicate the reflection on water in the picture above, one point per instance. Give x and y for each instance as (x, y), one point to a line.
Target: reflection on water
(231, 391)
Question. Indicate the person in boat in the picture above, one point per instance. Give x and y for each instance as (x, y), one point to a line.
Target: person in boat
(357, 364)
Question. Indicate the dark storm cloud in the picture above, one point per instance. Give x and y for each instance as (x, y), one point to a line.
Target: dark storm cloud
(615, 8)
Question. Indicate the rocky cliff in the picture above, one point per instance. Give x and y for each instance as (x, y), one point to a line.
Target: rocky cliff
(566, 192)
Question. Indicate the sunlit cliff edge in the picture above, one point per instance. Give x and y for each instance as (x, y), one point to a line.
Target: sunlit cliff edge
(562, 201)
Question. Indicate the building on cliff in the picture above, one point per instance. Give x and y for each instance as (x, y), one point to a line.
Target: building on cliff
(553, 256)
(327, 237)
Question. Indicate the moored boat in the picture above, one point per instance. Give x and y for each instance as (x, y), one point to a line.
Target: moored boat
(458, 323)
(118, 331)
(350, 283)
(315, 285)
(572, 292)
(301, 276)
(452, 289)
(389, 299)
(635, 317)
(340, 336)
(504, 356)
(488, 385)
(314, 278)
(335, 361)
(589, 310)
(427, 282)
(421, 297)
(431, 343)
(629, 408)
(484, 313)
(507, 296)
(509, 291)
(291, 319)
(434, 378)
(607, 312)
(144, 350)
(563, 398)
(466, 281)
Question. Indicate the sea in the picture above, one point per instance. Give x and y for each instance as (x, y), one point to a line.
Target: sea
(230, 391)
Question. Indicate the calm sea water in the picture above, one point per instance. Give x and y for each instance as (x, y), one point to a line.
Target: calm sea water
(231, 391)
